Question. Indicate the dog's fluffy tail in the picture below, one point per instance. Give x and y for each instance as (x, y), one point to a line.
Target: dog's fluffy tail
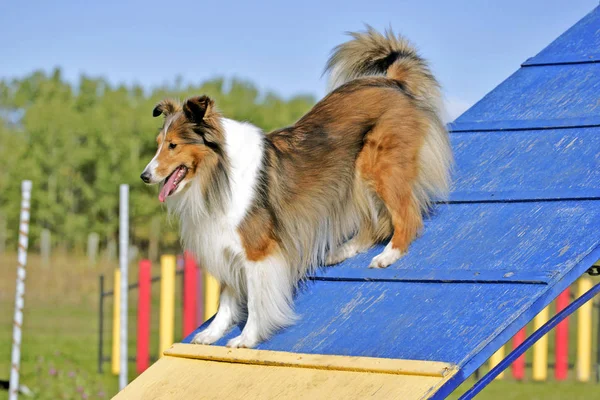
(372, 53)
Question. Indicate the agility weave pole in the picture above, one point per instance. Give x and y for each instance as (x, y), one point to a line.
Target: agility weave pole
(20, 290)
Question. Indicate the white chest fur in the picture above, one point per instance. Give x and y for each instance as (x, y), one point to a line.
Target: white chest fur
(213, 237)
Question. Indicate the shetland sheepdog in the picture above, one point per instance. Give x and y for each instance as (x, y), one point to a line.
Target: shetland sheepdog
(260, 211)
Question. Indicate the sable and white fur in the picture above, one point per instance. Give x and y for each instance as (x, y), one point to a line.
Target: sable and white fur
(260, 211)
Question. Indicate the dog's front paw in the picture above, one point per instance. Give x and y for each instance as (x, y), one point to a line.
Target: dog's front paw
(207, 336)
(387, 257)
(244, 341)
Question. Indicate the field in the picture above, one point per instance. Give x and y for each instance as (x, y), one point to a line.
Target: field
(60, 335)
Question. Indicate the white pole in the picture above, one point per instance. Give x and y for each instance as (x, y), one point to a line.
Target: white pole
(20, 292)
(123, 264)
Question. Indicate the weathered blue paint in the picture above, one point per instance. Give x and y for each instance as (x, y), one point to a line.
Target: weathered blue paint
(522, 224)
(439, 275)
(493, 237)
(508, 331)
(398, 319)
(521, 125)
(350, 315)
(552, 164)
(532, 97)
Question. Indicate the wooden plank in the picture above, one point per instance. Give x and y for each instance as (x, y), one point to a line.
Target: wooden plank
(510, 166)
(533, 96)
(536, 239)
(581, 43)
(512, 125)
(184, 378)
(399, 320)
(522, 196)
(315, 361)
(440, 275)
(346, 317)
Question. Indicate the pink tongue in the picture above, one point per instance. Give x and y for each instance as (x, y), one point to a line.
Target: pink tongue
(169, 185)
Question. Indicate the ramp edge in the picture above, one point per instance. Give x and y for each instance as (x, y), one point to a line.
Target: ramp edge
(313, 361)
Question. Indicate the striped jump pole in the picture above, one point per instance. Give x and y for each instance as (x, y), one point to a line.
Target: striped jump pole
(167, 303)
(561, 346)
(143, 318)
(190, 291)
(13, 393)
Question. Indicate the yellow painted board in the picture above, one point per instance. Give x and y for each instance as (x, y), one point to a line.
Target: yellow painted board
(211, 296)
(301, 360)
(540, 348)
(584, 333)
(495, 360)
(221, 373)
(116, 327)
(167, 303)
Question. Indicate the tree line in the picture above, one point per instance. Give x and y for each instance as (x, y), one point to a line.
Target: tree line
(78, 141)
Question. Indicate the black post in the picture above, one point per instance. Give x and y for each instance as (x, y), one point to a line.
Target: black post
(101, 325)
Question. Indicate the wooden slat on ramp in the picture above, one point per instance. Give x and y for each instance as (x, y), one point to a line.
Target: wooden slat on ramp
(212, 372)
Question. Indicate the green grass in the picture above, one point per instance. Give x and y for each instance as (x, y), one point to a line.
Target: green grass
(59, 345)
(511, 390)
(60, 332)
(60, 335)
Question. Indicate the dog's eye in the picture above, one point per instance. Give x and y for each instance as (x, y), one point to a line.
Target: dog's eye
(172, 146)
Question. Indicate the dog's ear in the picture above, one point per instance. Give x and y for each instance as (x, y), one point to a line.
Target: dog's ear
(166, 107)
(198, 108)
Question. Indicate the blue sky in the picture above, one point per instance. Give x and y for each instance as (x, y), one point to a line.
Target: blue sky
(280, 46)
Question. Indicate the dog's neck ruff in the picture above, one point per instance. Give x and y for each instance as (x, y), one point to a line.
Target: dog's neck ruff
(207, 229)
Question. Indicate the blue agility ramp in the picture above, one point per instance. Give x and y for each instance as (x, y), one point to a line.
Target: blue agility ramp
(522, 224)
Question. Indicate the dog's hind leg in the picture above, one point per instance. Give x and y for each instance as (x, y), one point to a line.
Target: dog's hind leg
(360, 243)
(389, 163)
(407, 222)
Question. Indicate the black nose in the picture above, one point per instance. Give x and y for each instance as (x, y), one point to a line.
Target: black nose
(145, 176)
